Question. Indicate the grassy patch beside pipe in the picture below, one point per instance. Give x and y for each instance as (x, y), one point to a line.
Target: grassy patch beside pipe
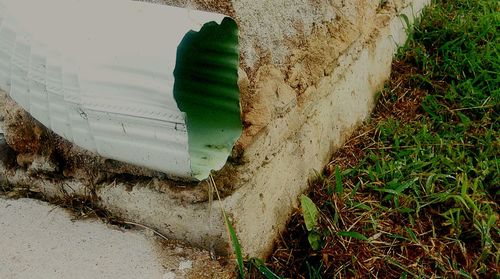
(416, 191)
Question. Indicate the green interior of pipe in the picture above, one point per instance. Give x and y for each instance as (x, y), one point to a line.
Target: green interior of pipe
(206, 89)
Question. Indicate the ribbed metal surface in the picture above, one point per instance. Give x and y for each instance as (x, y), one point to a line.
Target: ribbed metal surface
(205, 87)
(100, 74)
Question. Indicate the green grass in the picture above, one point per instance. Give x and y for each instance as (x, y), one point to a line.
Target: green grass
(416, 192)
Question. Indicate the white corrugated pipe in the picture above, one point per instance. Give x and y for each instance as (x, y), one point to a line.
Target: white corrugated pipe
(147, 84)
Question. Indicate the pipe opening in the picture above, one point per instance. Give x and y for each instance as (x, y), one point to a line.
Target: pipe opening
(206, 90)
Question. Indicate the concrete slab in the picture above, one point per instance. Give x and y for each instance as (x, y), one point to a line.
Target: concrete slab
(39, 240)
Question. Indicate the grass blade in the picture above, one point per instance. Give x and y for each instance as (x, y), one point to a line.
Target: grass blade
(261, 266)
(354, 235)
(339, 188)
(236, 247)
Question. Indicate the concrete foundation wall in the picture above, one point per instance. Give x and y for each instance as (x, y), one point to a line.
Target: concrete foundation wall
(308, 76)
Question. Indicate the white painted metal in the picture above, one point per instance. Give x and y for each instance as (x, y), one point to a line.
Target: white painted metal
(93, 72)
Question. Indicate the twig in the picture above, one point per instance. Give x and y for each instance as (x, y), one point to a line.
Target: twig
(471, 108)
(146, 227)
